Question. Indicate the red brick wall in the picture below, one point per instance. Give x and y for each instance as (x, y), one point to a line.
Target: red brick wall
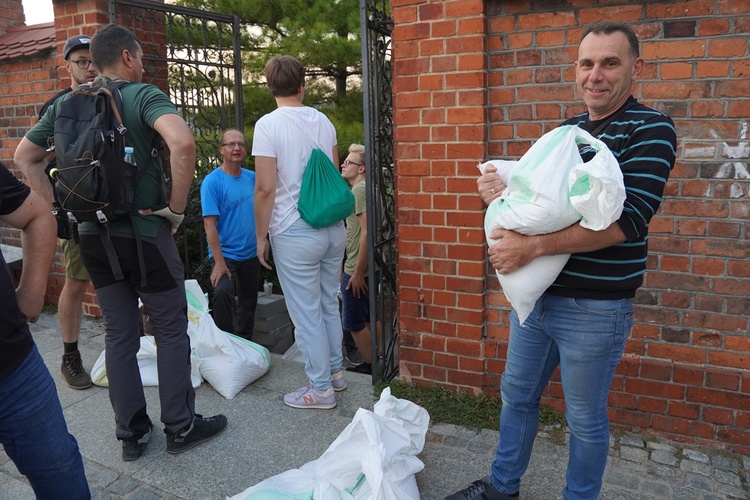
(477, 79)
(29, 81)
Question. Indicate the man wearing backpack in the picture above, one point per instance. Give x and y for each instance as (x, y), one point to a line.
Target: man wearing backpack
(82, 71)
(151, 267)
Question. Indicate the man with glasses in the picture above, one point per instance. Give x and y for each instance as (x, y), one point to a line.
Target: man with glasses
(227, 197)
(69, 308)
(355, 296)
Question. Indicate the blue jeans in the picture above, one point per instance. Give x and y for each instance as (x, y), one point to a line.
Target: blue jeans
(355, 311)
(586, 338)
(35, 436)
(308, 263)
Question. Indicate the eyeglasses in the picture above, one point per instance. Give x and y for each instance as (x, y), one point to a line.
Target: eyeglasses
(233, 145)
(349, 162)
(82, 63)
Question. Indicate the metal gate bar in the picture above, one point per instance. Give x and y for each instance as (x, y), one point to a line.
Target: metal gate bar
(376, 26)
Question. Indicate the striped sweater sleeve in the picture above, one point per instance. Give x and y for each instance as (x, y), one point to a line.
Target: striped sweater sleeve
(644, 142)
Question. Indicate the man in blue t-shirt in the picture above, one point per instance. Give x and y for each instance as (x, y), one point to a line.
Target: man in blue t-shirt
(227, 196)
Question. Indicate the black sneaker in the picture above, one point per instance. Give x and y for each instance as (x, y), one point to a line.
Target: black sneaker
(354, 358)
(365, 368)
(481, 489)
(73, 372)
(132, 449)
(200, 431)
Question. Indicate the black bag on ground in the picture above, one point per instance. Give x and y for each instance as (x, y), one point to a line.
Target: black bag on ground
(93, 183)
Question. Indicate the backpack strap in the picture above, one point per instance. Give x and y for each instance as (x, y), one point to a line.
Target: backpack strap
(109, 249)
(115, 97)
(312, 146)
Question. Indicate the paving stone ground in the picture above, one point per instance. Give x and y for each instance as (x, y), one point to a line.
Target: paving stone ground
(265, 438)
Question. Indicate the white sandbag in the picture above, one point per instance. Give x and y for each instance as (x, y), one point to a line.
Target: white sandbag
(146, 366)
(374, 458)
(227, 362)
(549, 189)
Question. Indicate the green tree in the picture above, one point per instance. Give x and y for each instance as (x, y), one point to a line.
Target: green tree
(323, 34)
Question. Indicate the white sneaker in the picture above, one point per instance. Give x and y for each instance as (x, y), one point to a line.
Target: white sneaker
(309, 397)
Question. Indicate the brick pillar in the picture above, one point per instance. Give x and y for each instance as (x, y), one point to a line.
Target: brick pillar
(440, 101)
(11, 14)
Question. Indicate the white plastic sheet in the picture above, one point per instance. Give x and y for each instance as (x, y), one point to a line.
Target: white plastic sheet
(373, 458)
(549, 189)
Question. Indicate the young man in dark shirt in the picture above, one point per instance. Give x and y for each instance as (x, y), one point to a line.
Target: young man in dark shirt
(32, 427)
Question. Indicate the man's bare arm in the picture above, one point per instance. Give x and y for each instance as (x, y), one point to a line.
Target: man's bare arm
(265, 195)
(181, 142)
(38, 239)
(33, 160)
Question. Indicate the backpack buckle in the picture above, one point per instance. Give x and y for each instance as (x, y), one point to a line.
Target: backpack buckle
(101, 217)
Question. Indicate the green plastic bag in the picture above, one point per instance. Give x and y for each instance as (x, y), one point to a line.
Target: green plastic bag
(325, 197)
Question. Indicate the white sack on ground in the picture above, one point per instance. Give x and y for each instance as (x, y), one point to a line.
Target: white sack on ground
(373, 458)
(146, 365)
(549, 189)
(227, 362)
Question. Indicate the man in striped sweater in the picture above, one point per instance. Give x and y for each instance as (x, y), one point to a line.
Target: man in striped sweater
(581, 323)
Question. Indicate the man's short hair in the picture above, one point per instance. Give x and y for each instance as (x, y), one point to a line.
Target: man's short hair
(358, 149)
(284, 76)
(108, 43)
(609, 27)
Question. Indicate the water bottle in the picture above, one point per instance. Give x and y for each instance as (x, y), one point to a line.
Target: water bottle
(129, 155)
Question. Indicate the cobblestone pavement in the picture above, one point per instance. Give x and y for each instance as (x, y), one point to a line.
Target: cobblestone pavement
(265, 438)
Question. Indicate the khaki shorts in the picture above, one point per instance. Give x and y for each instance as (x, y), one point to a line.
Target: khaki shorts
(73, 264)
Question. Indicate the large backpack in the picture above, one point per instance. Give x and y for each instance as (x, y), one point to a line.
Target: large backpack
(93, 183)
(92, 180)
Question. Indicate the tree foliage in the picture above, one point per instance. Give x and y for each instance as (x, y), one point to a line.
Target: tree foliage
(323, 34)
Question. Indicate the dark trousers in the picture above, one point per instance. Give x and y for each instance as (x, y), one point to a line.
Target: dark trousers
(164, 297)
(235, 299)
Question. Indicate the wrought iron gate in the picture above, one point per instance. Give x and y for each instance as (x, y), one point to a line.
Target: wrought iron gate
(194, 57)
(376, 26)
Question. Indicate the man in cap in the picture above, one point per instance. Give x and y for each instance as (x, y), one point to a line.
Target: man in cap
(78, 63)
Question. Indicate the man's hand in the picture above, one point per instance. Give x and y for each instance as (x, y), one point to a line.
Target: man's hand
(263, 251)
(220, 269)
(357, 284)
(489, 185)
(511, 250)
(174, 218)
